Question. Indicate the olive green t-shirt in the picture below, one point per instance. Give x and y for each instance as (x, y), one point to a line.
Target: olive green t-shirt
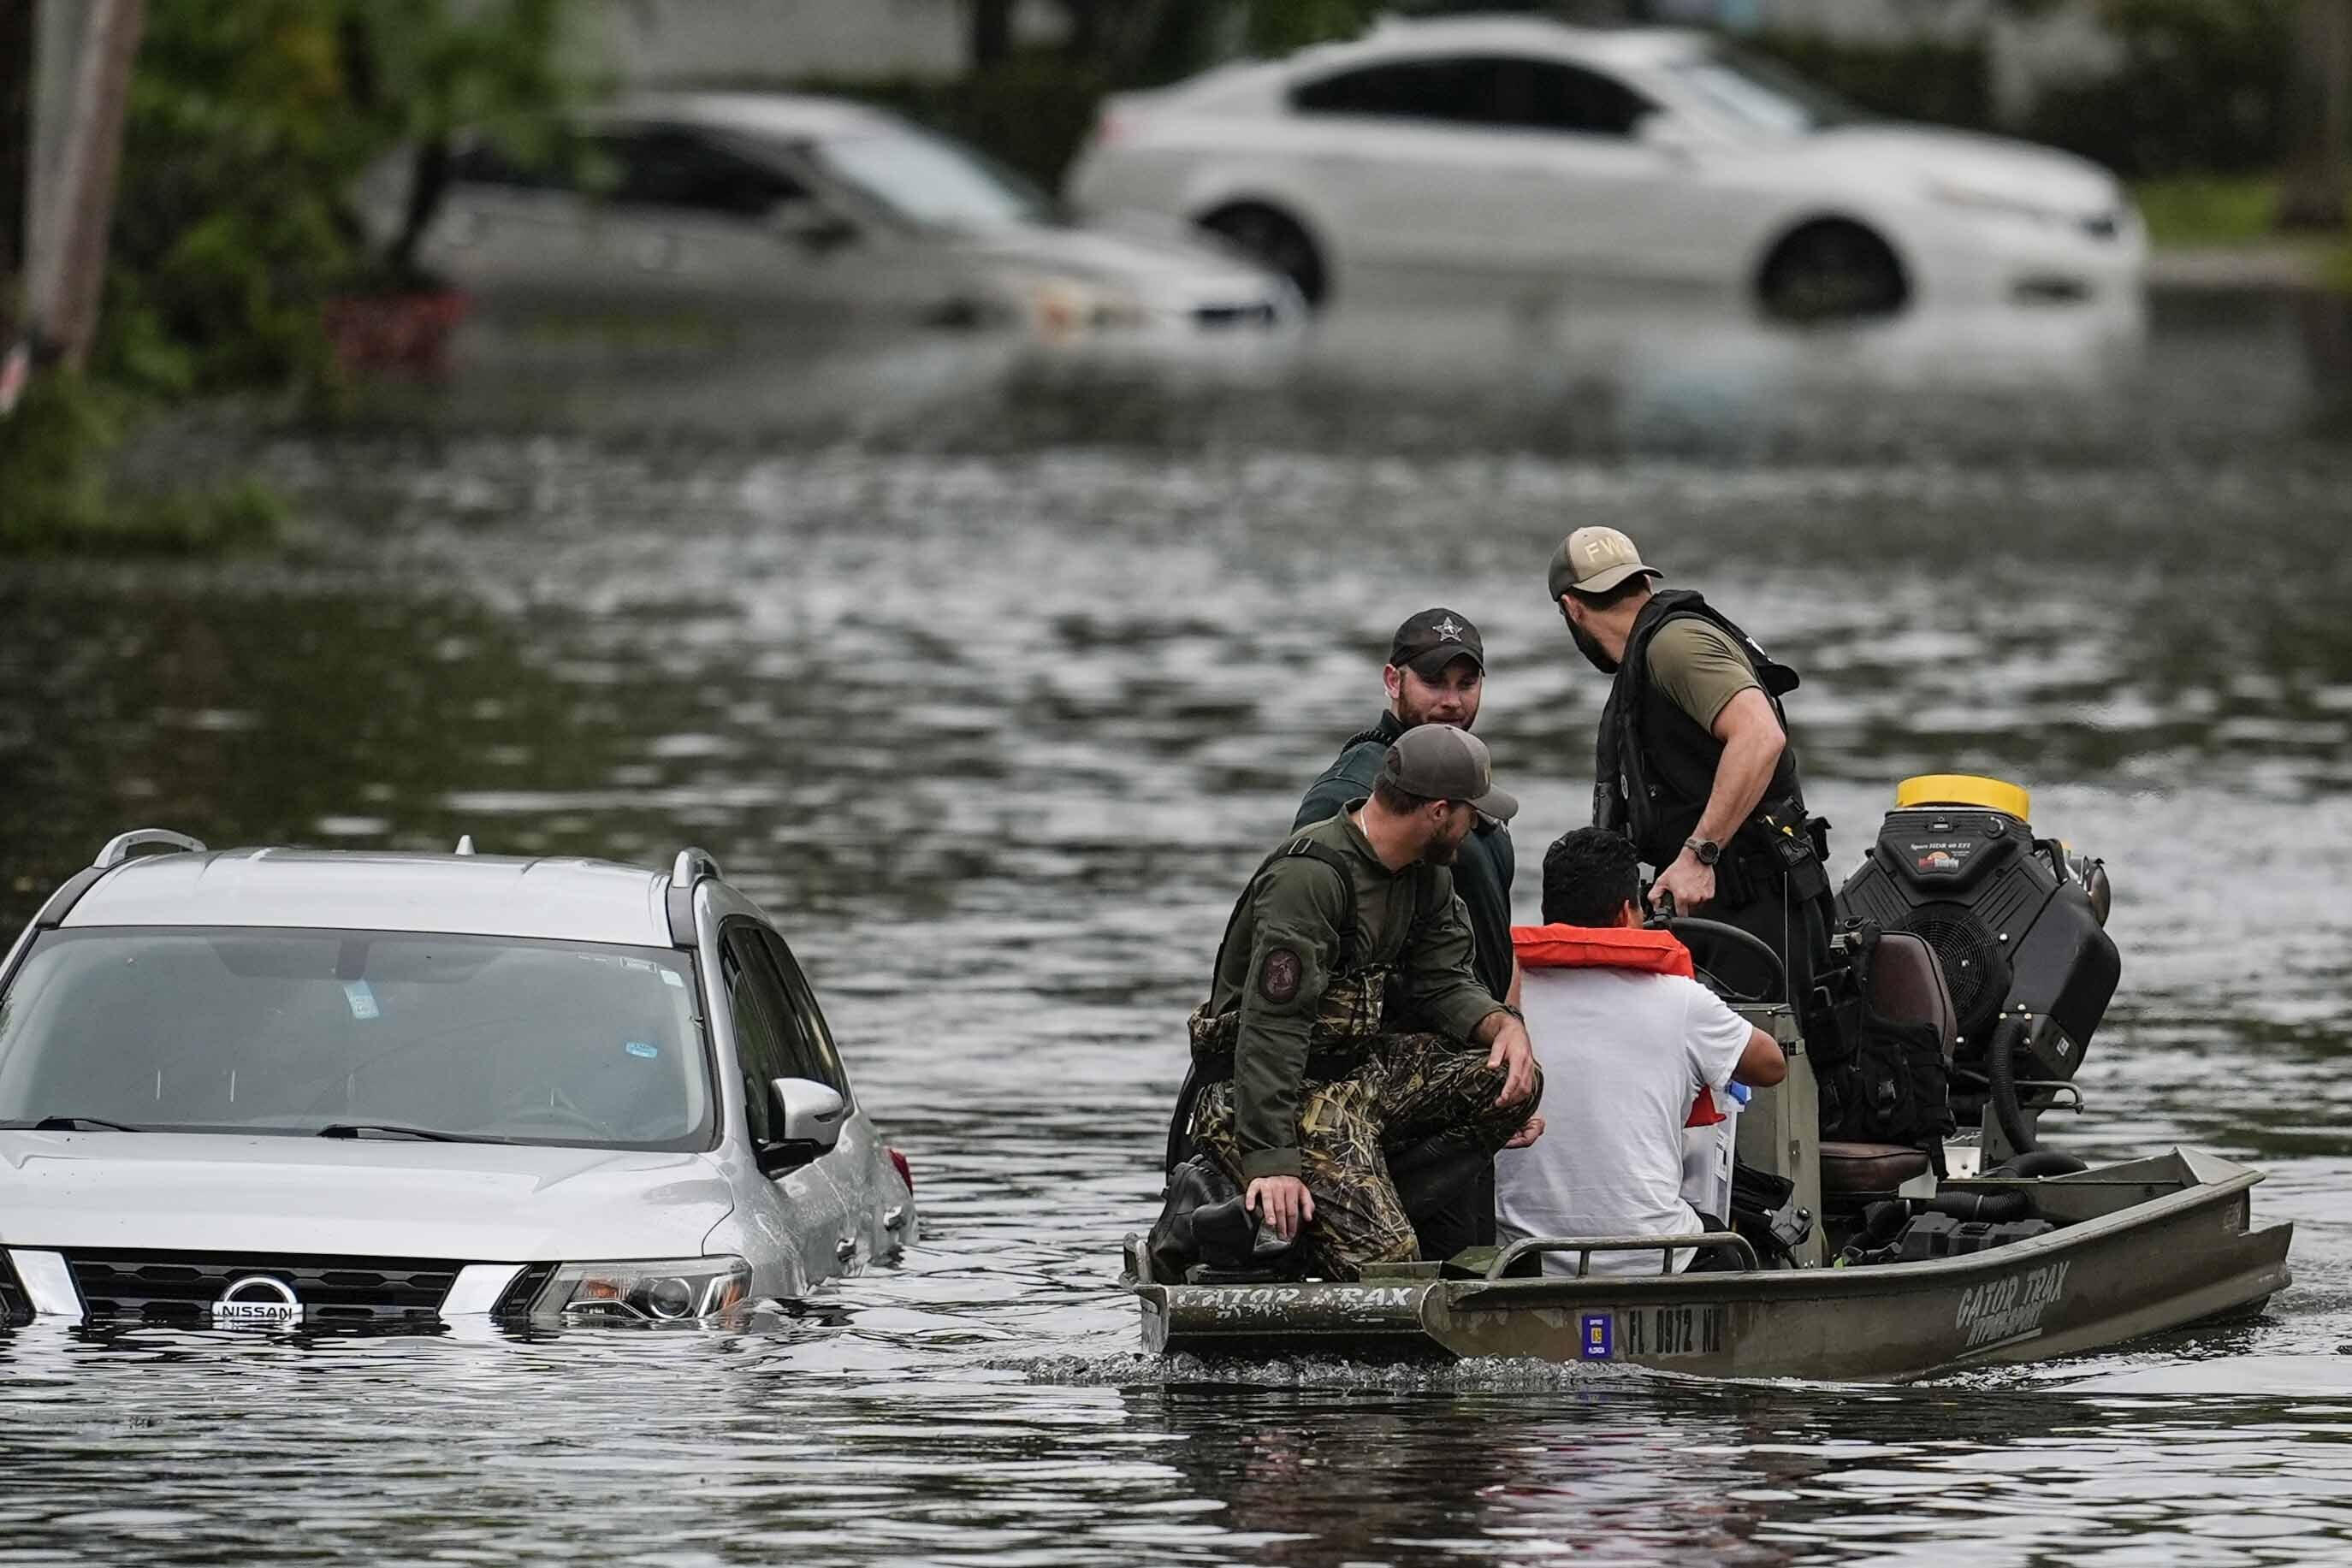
(1699, 668)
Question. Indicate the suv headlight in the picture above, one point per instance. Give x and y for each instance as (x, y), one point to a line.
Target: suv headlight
(665, 1291)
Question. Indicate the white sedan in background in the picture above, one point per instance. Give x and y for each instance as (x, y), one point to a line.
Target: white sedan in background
(1526, 150)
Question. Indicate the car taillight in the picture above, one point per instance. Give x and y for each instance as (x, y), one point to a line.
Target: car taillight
(906, 1172)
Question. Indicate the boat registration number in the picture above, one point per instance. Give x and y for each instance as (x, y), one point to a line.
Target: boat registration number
(1655, 1333)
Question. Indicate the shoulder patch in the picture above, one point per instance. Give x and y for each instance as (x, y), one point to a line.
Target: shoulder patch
(1278, 975)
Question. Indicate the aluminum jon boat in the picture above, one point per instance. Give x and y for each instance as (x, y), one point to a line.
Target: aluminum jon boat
(2137, 1248)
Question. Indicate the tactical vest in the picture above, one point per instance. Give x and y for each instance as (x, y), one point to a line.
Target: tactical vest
(1656, 764)
(1355, 999)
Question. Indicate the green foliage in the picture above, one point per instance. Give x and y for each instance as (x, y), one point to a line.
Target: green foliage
(54, 453)
(249, 126)
(2207, 210)
(2203, 88)
(1932, 80)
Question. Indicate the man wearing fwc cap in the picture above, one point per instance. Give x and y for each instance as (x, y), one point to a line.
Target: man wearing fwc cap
(1309, 1083)
(1694, 764)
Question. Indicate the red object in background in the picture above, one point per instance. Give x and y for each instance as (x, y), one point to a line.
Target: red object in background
(906, 1172)
(404, 332)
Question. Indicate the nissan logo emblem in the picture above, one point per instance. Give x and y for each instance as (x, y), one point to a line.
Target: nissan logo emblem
(258, 1299)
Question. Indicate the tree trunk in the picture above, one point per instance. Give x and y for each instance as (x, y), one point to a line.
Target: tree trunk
(2315, 193)
(991, 32)
(16, 148)
(64, 279)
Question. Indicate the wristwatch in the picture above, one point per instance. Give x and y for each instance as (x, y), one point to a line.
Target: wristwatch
(1707, 851)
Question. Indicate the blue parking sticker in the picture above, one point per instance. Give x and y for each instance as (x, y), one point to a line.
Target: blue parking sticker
(363, 1000)
(639, 1048)
(1599, 1342)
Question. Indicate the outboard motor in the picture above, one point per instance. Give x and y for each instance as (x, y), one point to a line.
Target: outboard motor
(2018, 926)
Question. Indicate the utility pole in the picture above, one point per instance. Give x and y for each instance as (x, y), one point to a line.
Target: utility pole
(15, 148)
(2322, 101)
(77, 151)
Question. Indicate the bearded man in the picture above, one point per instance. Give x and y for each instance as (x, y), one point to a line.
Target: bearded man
(1309, 1081)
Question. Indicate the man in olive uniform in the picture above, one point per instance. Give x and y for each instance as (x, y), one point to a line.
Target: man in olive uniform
(1307, 1085)
(1694, 764)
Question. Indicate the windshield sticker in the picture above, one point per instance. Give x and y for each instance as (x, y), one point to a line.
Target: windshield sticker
(2011, 1309)
(672, 978)
(640, 1047)
(363, 1000)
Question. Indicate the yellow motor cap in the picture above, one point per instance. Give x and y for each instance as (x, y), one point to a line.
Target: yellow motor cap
(1965, 789)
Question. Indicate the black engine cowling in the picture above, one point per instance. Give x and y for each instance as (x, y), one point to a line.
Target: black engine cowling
(2018, 923)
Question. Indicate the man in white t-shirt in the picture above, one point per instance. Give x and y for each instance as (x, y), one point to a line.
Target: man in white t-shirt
(1626, 1039)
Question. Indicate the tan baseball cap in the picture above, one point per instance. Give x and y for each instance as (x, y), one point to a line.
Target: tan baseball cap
(1438, 762)
(1594, 561)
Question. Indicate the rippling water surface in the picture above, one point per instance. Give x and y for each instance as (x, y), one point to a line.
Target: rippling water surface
(995, 728)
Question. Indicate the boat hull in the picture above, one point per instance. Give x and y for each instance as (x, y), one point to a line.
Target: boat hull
(2148, 1246)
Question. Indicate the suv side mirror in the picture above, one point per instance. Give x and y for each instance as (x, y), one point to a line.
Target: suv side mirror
(810, 224)
(808, 1117)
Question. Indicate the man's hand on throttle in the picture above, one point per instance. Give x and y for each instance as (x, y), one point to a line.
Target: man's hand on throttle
(1692, 884)
(1283, 1202)
(1529, 1131)
(1517, 1054)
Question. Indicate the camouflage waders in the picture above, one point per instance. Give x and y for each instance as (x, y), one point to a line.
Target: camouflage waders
(1401, 1089)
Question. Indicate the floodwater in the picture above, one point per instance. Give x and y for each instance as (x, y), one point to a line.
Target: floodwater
(994, 694)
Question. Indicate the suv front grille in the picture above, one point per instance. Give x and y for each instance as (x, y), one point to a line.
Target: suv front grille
(15, 1307)
(181, 1287)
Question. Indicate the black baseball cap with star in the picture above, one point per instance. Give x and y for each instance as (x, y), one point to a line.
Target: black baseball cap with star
(1434, 639)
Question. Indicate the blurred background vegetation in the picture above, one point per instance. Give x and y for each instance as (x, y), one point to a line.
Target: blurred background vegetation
(248, 125)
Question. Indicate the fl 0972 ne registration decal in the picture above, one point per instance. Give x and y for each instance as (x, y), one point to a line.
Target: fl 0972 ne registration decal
(1661, 1334)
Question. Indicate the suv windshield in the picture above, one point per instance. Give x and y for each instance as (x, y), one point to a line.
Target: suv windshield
(931, 180)
(1761, 94)
(489, 1039)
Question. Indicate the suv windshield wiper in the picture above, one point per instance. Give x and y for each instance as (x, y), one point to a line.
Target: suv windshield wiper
(68, 1125)
(392, 1129)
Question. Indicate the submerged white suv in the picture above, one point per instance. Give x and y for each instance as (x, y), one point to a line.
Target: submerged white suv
(323, 1089)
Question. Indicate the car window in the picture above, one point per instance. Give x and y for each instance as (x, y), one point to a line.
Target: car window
(250, 1030)
(668, 166)
(932, 180)
(822, 1060)
(765, 1028)
(1499, 90)
(480, 163)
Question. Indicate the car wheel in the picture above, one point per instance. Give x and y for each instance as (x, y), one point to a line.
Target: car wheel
(1277, 242)
(1834, 270)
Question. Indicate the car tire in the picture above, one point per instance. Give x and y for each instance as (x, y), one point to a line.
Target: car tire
(1277, 242)
(1833, 270)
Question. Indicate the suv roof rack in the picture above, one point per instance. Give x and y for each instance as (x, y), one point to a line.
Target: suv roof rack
(690, 867)
(120, 847)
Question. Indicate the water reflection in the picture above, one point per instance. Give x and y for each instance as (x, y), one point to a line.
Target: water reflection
(995, 731)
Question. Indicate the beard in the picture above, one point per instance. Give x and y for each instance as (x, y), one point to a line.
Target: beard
(1441, 852)
(1592, 650)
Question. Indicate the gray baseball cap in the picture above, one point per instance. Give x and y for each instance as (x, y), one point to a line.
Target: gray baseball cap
(1438, 762)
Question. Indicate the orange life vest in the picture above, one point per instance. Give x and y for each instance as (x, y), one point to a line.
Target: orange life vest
(1632, 947)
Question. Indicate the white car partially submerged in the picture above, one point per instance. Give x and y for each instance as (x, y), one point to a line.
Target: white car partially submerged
(687, 213)
(1519, 149)
(336, 1090)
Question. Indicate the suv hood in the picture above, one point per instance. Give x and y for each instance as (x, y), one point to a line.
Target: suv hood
(472, 1202)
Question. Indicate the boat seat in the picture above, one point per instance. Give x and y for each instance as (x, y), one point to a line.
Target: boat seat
(1869, 1167)
(1908, 984)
